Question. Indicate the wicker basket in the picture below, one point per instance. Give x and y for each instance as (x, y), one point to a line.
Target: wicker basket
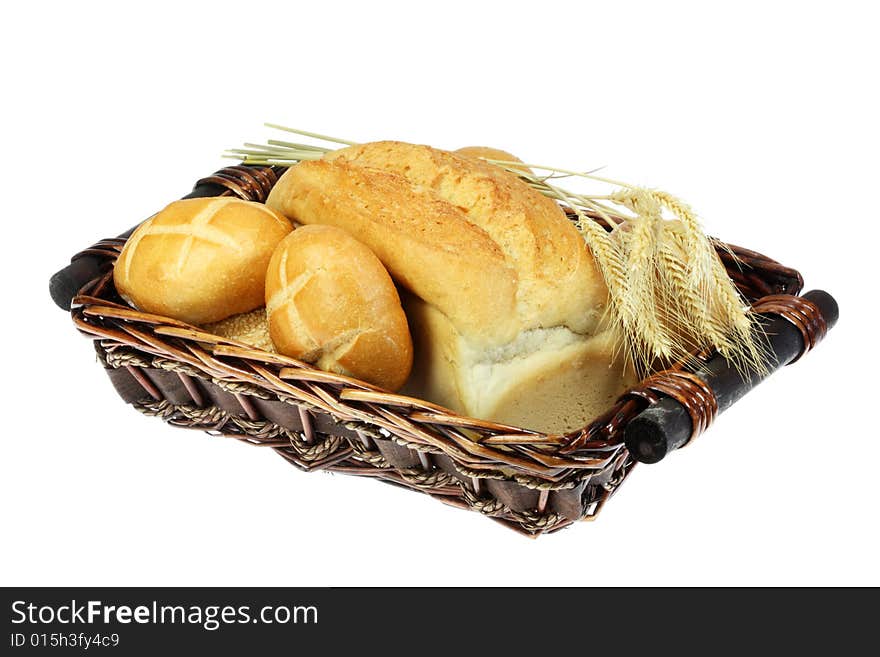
(529, 481)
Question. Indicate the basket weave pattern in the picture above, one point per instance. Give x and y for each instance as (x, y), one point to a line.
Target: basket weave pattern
(316, 420)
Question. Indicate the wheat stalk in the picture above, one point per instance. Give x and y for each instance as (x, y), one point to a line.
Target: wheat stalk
(725, 321)
(640, 246)
(669, 291)
(693, 315)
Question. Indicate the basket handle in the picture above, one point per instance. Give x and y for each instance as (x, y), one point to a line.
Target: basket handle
(683, 404)
(251, 183)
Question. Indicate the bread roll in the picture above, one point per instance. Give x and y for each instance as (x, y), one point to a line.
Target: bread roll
(200, 260)
(331, 302)
(506, 302)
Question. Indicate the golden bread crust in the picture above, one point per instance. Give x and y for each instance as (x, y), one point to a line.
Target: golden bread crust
(200, 260)
(331, 302)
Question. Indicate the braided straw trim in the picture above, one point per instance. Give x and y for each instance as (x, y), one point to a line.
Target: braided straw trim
(488, 506)
(531, 521)
(236, 388)
(216, 419)
(210, 417)
(375, 458)
(538, 522)
(175, 366)
(416, 447)
(423, 479)
(117, 358)
(371, 456)
(473, 473)
(532, 483)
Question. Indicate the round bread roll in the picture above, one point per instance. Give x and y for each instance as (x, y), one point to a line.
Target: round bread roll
(490, 153)
(200, 260)
(331, 302)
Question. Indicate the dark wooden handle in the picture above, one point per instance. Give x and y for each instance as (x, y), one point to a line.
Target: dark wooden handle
(667, 424)
(66, 283)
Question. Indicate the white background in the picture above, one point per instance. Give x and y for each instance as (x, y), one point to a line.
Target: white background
(762, 115)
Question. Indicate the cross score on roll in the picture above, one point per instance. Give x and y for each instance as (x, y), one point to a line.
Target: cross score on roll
(427, 271)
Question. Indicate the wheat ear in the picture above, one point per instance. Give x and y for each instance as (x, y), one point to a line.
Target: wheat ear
(686, 308)
(721, 317)
(653, 339)
(696, 318)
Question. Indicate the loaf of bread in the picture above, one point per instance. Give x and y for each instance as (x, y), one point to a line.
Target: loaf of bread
(200, 260)
(331, 302)
(505, 302)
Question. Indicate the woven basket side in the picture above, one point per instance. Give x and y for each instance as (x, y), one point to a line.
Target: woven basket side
(311, 440)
